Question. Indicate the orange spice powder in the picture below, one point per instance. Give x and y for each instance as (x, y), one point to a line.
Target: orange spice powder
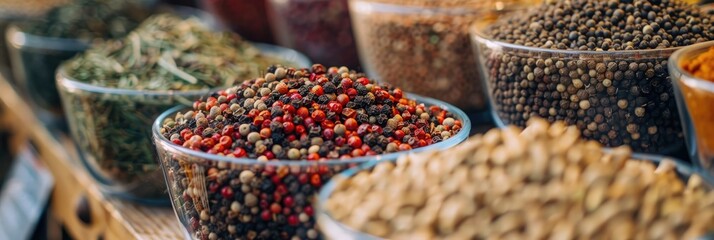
(702, 66)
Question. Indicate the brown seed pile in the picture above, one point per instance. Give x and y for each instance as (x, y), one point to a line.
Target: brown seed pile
(542, 183)
(618, 99)
(428, 38)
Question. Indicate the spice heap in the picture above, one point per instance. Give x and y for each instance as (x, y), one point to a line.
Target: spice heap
(306, 114)
(321, 29)
(701, 66)
(542, 183)
(90, 19)
(622, 99)
(172, 60)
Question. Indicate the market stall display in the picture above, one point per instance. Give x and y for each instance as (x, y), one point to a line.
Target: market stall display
(692, 70)
(38, 47)
(598, 65)
(112, 93)
(542, 182)
(246, 162)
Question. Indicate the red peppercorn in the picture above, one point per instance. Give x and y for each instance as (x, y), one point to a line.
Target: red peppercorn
(363, 81)
(328, 133)
(258, 121)
(293, 220)
(357, 152)
(269, 155)
(354, 142)
(404, 147)
(226, 141)
(309, 122)
(371, 153)
(318, 115)
(265, 215)
(288, 108)
(227, 130)
(346, 83)
(399, 135)
(313, 156)
(277, 197)
(302, 178)
(308, 210)
(317, 90)
(265, 133)
(276, 179)
(275, 208)
(295, 96)
(327, 124)
(349, 113)
(335, 107)
(227, 192)
(339, 141)
(288, 127)
(351, 124)
(351, 92)
(315, 180)
(239, 152)
(303, 112)
(343, 99)
(208, 142)
(288, 201)
(300, 129)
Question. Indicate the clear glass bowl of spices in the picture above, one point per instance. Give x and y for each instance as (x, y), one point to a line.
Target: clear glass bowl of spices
(112, 93)
(246, 170)
(607, 75)
(692, 71)
(510, 184)
(319, 28)
(39, 46)
(402, 42)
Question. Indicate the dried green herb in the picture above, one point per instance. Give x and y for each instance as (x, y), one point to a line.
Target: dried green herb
(90, 19)
(166, 61)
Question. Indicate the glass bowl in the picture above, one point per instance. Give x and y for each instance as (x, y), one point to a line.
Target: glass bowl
(112, 128)
(249, 18)
(424, 48)
(319, 28)
(614, 97)
(333, 229)
(694, 97)
(34, 61)
(207, 207)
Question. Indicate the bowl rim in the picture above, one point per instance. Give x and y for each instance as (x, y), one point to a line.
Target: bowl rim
(685, 76)
(326, 191)
(478, 33)
(163, 144)
(66, 81)
(402, 8)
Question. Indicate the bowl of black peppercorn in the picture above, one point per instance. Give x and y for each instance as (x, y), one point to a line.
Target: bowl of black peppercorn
(598, 65)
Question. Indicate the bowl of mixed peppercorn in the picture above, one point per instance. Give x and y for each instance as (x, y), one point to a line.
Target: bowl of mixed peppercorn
(248, 161)
(598, 65)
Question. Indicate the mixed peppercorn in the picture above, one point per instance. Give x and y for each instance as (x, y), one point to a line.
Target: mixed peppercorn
(297, 114)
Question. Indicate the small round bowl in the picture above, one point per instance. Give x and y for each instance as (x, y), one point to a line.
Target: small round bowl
(333, 229)
(197, 184)
(112, 129)
(424, 48)
(319, 28)
(694, 97)
(614, 97)
(34, 61)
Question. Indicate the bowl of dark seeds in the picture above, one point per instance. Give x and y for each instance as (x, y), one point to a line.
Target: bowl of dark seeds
(113, 92)
(598, 65)
(540, 183)
(247, 162)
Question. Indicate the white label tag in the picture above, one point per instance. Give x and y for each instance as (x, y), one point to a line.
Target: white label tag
(24, 195)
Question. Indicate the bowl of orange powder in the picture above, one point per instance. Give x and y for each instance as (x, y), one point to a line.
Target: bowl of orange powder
(692, 72)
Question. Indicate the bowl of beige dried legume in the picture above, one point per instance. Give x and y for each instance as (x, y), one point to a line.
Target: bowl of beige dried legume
(512, 184)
